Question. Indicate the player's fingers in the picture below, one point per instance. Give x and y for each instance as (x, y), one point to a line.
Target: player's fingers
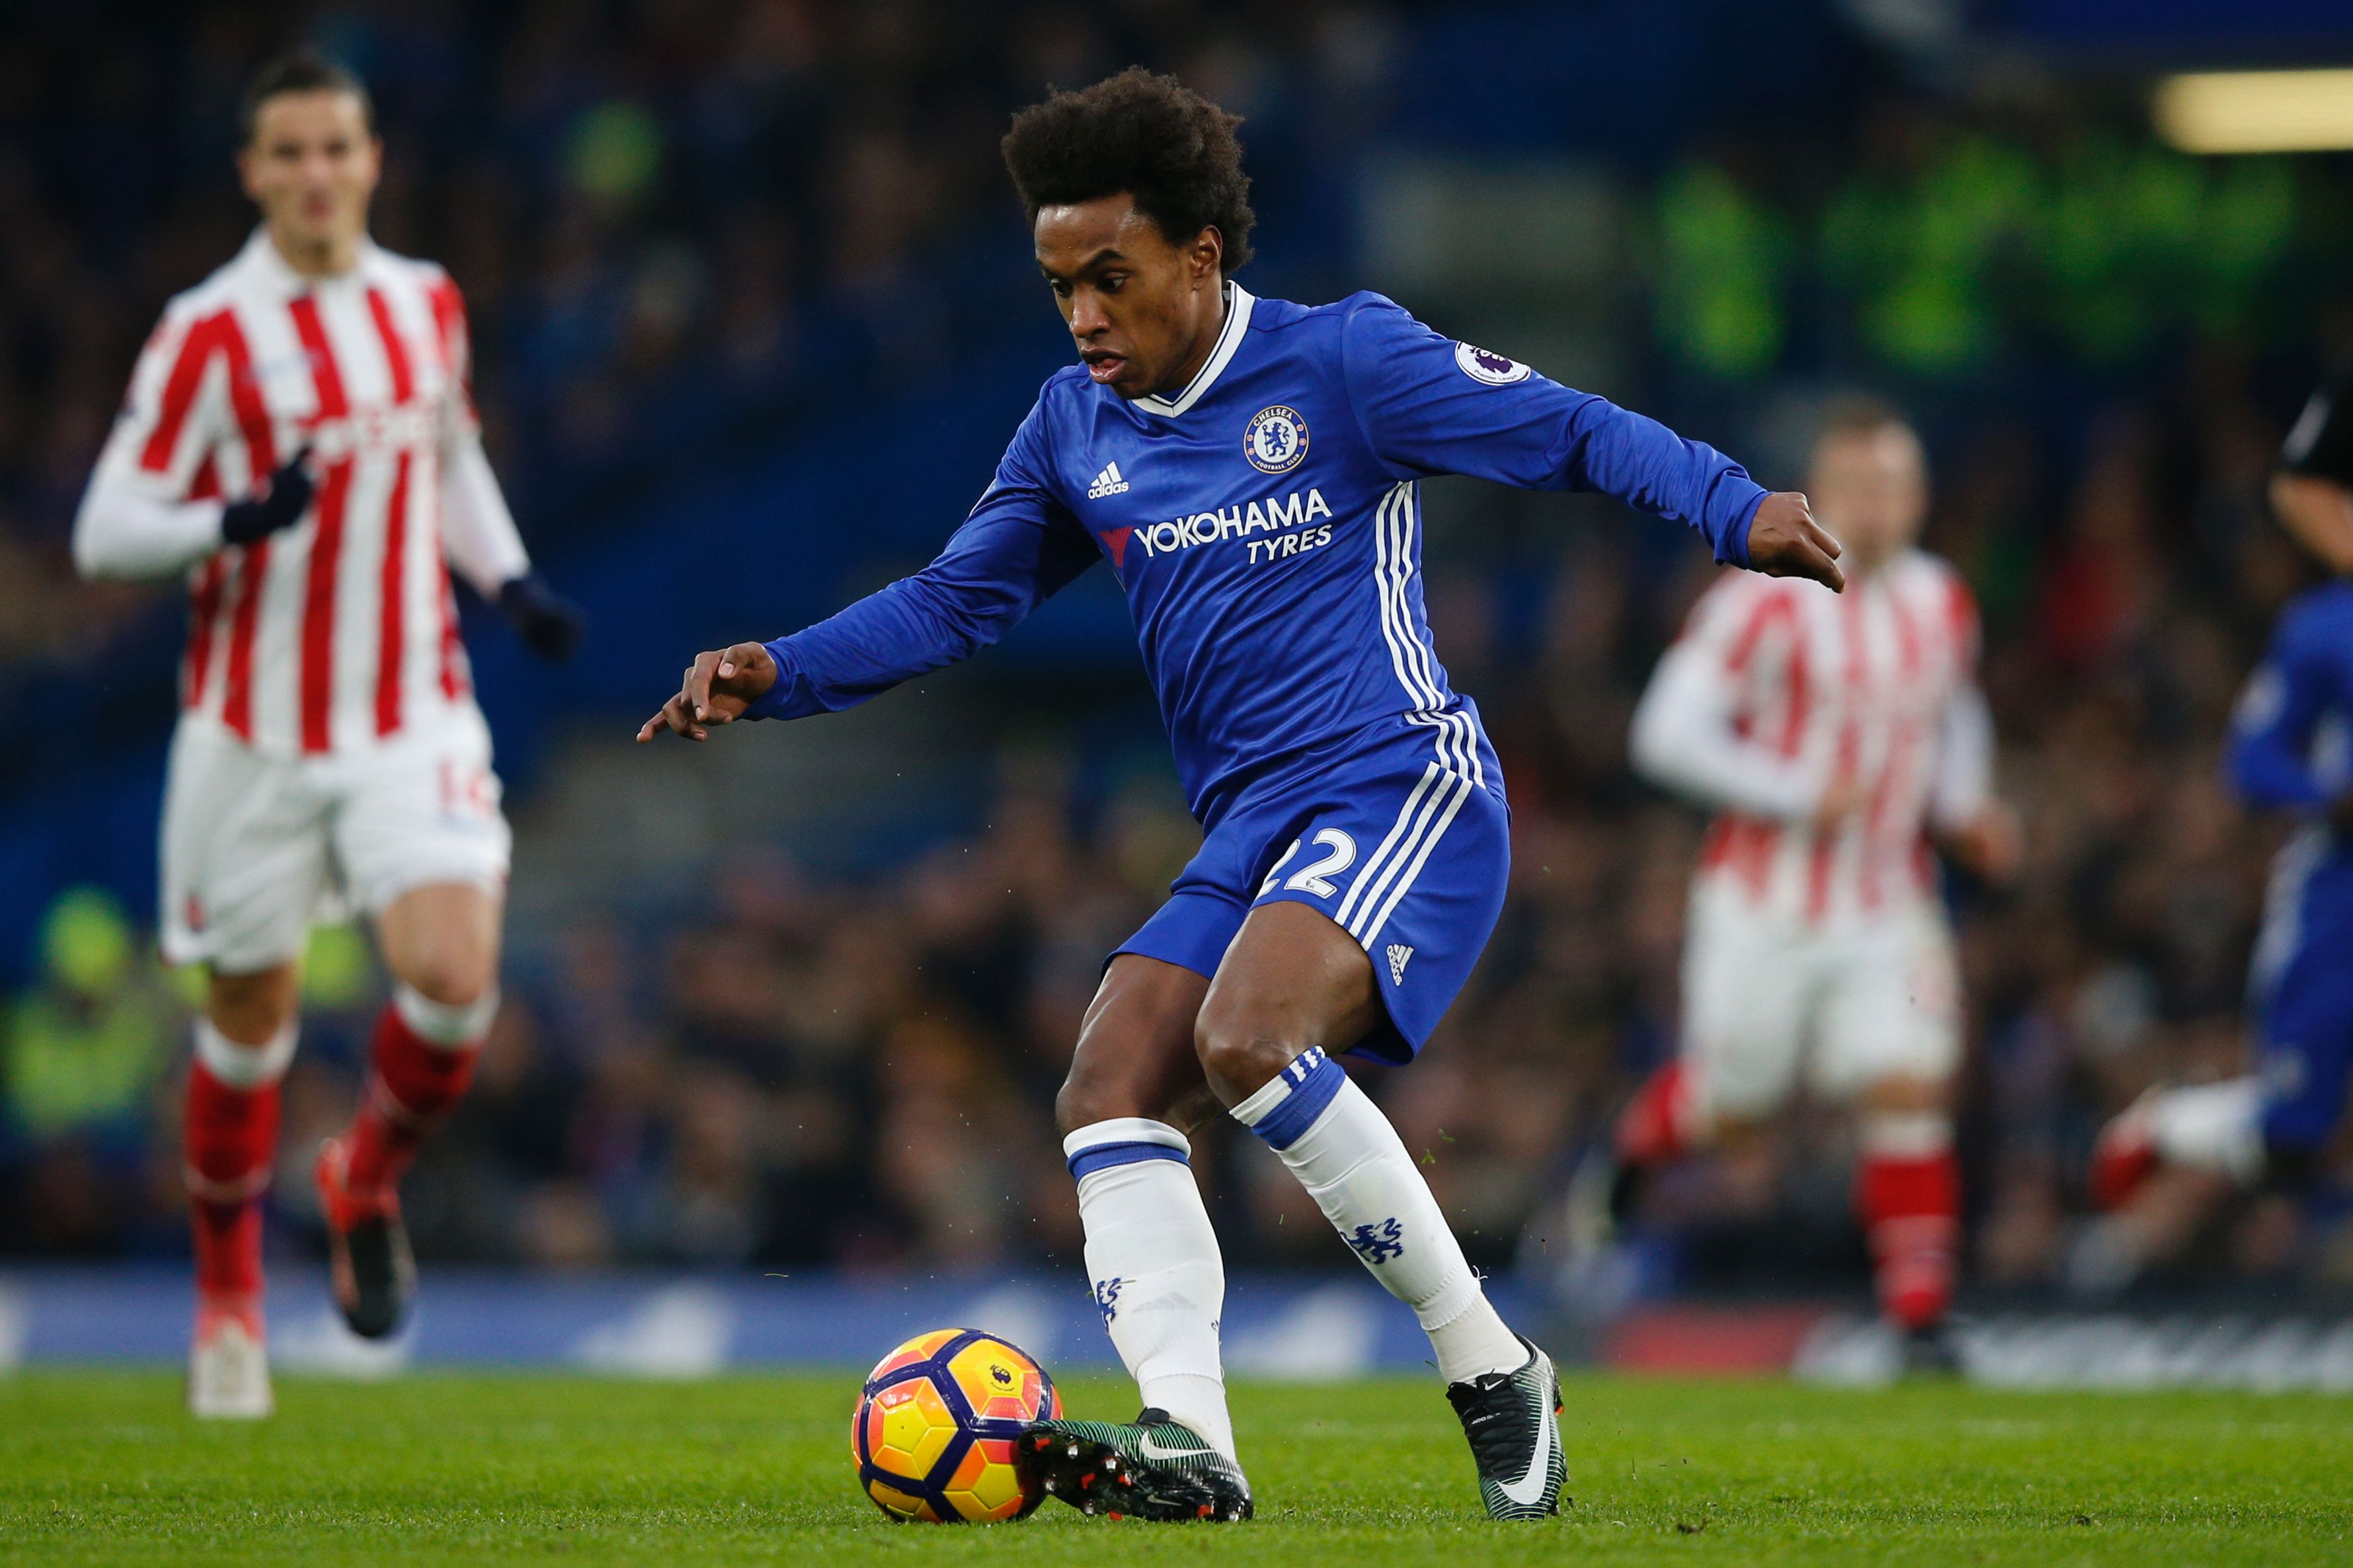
(1822, 569)
(698, 684)
(1823, 538)
(1803, 558)
(740, 660)
(673, 718)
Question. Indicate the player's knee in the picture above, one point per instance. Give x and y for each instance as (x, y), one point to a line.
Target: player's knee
(251, 1009)
(449, 973)
(1092, 1092)
(1900, 1093)
(1081, 1102)
(1239, 1054)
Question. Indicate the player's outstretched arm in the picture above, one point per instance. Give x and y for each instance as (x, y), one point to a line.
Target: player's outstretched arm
(1784, 540)
(1431, 405)
(716, 690)
(1018, 547)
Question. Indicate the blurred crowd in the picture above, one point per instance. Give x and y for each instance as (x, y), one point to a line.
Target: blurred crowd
(861, 1072)
(674, 221)
(674, 225)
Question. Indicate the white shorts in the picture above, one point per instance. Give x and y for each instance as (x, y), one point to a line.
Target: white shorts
(1766, 998)
(257, 848)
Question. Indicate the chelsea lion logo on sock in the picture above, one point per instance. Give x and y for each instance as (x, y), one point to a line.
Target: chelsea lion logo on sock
(1275, 441)
(1107, 1297)
(1378, 1243)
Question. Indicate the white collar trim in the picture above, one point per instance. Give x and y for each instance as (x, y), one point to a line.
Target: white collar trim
(262, 255)
(1229, 339)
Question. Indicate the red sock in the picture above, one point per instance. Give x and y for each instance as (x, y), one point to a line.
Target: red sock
(1654, 1126)
(232, 1138)
(413, 1083)
(1910, 1211)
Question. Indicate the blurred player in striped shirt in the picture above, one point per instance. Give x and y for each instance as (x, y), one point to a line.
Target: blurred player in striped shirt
(1833, 735)
(299, 443)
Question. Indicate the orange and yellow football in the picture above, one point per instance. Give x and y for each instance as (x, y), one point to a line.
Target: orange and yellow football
(934, 1435)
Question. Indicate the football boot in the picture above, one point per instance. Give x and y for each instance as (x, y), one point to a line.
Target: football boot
(373, 1270)
(1152, 1467)
(1513, 1422)
(229, 1364)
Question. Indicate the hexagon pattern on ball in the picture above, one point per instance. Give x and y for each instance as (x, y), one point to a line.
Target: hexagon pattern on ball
(933, 1433)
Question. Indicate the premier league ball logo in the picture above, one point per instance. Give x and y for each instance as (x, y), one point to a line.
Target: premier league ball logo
(1485, 365)
(1276, 440)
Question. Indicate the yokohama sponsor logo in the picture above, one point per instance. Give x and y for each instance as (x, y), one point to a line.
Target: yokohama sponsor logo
(1237, 522)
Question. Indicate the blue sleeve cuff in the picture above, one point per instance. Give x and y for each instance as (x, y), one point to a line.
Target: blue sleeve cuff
(1732, 545)
(776, 702)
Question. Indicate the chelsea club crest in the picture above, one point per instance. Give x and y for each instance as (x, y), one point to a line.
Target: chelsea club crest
(1276, 440)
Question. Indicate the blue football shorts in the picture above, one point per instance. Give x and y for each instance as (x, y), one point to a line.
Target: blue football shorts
(1402, 836)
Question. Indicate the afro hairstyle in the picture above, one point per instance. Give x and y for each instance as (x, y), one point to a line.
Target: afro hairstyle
(1146, 135)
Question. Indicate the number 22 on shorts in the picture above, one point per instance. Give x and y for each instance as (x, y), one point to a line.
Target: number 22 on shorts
(1339, 854)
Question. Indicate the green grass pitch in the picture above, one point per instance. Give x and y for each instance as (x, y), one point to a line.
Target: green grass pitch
(103, 1467)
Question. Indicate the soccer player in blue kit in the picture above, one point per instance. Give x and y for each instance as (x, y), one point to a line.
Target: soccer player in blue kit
(1248, 469)
(2291, 750)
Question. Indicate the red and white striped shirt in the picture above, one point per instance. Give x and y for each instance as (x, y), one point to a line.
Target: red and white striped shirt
(1779, 687)
(339, 632)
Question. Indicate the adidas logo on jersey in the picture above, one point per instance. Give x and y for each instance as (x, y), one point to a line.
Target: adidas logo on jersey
(1398, 955)
(1107, 483)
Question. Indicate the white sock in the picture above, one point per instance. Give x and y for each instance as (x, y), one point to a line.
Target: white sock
(1159, 1280)
(1355, 1167)
(2212, 1127)
(240, 1065)
(452, 1026)
(1903, 1134)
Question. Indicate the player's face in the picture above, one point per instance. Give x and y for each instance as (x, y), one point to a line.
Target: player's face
(1143, 311)
(311, 168)
(1870, 489)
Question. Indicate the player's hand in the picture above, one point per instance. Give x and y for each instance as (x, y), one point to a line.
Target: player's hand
(1991, 845)
(280, 505)
(1784, 540)
(718, 687)
(549, 623)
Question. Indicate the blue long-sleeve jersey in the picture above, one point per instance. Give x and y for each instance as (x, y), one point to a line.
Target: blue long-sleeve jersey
(1264, 522)
(2291, 738)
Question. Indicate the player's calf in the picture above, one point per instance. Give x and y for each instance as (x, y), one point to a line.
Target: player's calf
(421, 1062)
(1908, 1197)
(1662, 1123)
(1357, 1168)
(1153, 1262)
(231, 1114)
(2213, 1127)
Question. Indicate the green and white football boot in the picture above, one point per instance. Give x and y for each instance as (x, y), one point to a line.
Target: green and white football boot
(1151, 1467)
(1513, 1420)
